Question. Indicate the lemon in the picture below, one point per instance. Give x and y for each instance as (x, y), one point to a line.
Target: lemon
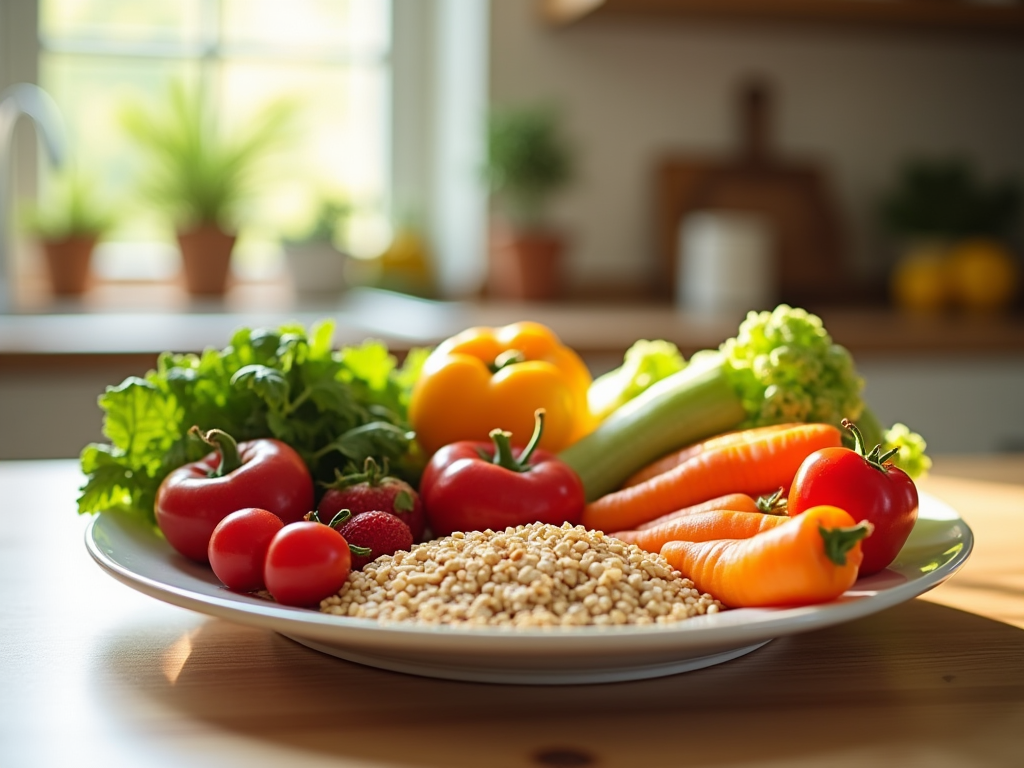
(918, 281)
(981, 274)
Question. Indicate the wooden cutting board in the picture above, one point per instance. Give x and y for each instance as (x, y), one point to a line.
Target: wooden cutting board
(793, 195)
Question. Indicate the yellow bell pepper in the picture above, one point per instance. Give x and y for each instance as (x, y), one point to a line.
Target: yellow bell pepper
(488, 378)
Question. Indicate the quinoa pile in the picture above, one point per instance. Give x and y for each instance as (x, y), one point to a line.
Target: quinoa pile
(534, 575)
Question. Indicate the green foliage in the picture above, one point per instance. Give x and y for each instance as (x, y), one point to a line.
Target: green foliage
(197, 173)
(335, 407)
(945, 198)
(73, 206)
(528, 160)
(329, 218)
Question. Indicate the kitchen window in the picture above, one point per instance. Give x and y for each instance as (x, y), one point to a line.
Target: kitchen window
(377, 84)
(331, 59)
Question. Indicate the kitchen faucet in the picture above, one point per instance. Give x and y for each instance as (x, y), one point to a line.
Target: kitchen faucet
(33, 102)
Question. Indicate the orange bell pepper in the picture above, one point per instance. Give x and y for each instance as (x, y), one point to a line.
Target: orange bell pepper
(496, 378)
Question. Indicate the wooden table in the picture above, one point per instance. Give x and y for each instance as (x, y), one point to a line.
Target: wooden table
(93, 673)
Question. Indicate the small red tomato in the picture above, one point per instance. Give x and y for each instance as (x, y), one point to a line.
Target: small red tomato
(238, 547)
(867, 486)
(306, 562)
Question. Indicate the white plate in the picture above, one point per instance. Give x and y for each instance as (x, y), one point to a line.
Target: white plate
(134, 554)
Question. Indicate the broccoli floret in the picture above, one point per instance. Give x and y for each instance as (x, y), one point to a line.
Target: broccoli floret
(785, 367)
(645, 363)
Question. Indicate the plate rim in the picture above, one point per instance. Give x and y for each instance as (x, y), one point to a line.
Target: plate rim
(736, 626)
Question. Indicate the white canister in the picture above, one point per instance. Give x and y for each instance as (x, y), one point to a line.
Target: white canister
(726, 262)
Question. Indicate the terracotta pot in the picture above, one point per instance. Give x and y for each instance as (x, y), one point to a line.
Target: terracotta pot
(206, 258)
(526, 266)
(67, 263)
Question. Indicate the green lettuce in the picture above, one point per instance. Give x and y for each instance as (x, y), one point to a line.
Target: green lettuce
(336, 407)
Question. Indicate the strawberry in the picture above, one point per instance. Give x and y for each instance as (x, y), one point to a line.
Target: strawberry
(380, 532)
(374, 489)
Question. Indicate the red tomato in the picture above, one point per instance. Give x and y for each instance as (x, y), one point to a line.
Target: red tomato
(471, 485)
(306, 562)
(260, 473)
(868, 487)
(238, 547)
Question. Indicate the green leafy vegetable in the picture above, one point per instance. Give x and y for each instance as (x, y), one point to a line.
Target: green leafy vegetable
(335, 407)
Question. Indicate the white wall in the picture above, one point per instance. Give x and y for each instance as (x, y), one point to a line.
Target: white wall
(861, 100)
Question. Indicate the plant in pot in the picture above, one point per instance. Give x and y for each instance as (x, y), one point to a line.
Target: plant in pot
(67, 224)
(201, 176)
(316, 264)
(528, 162)
(952, 233)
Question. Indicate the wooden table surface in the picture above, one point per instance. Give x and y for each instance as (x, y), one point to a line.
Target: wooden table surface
(93, 673)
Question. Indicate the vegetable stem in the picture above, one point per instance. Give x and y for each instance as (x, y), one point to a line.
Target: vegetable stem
(223, 443)
(839, 541)
(503, 455)
(691, 405)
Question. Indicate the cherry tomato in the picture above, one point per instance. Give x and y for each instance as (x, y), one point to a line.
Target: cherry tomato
(868, 487)
(238, 547)
(306, 562)
(264, 473)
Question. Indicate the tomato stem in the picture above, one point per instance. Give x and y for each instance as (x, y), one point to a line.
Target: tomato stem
(775, 504)
(223, 443)
(502, 439)
(839, 541)
(875, 457)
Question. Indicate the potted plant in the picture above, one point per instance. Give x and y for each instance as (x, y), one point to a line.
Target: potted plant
(67, 224)
(316, 264)
(201, 176)
(528, 161)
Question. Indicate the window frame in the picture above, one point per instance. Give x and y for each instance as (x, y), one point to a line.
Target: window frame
(438, 99)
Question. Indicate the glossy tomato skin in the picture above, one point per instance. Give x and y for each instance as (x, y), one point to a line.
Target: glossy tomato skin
(463, 492)
(305, 563)
(190, 503)
(238, 548)
(885, 497)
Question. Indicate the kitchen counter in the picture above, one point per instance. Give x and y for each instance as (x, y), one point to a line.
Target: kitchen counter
(593, 329)
(53, 366)
(97, 674)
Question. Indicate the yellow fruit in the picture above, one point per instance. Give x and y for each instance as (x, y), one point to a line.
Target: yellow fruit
(981, 275)
(918, 281)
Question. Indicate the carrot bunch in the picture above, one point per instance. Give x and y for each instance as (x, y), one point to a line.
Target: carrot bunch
(706, 507)
(811, 558)
(753, 462)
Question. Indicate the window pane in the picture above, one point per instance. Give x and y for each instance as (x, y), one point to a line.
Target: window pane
(334, 28)
(92, 92)
(339, 141)
(113, 22)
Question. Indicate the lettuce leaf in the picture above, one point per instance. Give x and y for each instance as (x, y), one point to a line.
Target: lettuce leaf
(335, 407)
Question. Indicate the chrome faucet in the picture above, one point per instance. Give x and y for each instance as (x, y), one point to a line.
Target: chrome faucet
(35, 103)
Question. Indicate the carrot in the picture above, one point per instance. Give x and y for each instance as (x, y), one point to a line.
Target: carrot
(811, 558)
(764, 462)
(674, 459)
(739, 502)
(703, 526)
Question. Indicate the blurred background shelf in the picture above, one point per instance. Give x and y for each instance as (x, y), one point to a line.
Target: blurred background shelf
(956, 378)
(953, 15)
